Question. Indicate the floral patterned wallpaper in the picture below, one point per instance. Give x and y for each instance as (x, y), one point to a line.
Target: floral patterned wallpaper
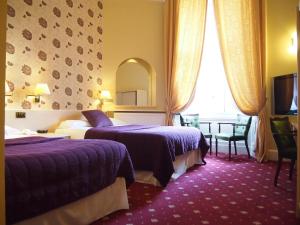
(58, 42)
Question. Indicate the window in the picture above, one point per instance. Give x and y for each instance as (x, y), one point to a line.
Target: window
(213, 97)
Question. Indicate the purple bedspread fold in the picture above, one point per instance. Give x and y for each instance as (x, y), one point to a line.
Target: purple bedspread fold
(45, 173)
(153, 148)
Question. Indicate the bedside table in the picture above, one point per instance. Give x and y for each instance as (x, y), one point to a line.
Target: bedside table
(54, 135)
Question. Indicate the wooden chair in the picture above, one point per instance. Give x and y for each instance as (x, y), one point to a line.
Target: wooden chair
(284, 138)
(240, 131)
(192, 120)
(177, 120)
(208, 134)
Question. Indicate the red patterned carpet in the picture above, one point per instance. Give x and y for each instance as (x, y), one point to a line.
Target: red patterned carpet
(239, 192)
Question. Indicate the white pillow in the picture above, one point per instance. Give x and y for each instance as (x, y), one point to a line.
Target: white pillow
(67, 124)
(28, 132)
(83, 118)
(12, 131)
(117, 122)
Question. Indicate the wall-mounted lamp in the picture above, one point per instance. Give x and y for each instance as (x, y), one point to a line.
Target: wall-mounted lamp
(293, 44)
(7, 89)
(40, 89)
(132, 61)
(105, 96)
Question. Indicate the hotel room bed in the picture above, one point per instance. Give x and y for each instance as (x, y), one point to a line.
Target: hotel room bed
(153, 148)
(60, 181)
(158, 153)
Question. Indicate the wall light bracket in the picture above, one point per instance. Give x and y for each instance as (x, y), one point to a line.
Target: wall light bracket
(40, 89)
(37, 98)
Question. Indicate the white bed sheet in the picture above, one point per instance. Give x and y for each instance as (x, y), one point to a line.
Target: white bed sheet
(75, 133)
(16, 136)
(181, 164)
(86, 210)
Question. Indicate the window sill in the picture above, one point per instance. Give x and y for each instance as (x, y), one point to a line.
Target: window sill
(218, 117)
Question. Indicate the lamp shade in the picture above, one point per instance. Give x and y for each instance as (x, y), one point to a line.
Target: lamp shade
(7, 88)
(41, 89)
(105, 94)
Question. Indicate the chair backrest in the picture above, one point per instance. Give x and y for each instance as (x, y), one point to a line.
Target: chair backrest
(177, 119)
(243, 129)
(192, 119)
(282, 133)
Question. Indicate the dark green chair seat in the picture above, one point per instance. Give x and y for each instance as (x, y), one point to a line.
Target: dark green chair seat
(283, 135)
(207, 135)
(240, 131)
(228, 136)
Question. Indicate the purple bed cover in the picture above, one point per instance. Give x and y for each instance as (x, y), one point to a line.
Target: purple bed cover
(45, 173)
(153, 148)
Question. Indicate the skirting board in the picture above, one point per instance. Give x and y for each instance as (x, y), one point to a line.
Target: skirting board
(223, 147)
(273, 155)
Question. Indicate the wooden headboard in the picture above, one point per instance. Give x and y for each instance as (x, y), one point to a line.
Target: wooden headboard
(39, 119)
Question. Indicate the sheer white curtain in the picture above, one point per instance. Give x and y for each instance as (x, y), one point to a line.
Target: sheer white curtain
(212, 97)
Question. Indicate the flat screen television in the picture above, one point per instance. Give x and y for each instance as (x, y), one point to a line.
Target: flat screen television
(285, 94)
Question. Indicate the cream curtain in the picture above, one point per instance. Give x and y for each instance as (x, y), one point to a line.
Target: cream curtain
(239, 24)
(184, 26)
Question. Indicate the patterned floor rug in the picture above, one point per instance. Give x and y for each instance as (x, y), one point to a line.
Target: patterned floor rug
(237, 192)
